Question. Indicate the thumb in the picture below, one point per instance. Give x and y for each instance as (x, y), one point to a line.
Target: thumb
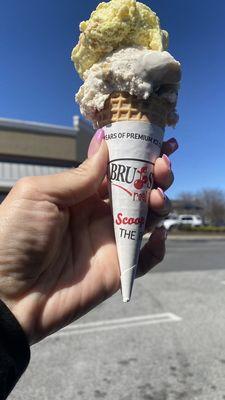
(77, 184)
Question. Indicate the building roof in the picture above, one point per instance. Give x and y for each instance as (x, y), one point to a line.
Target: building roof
(186, 205)
(11, 172)
(42, 128)
(59, 148)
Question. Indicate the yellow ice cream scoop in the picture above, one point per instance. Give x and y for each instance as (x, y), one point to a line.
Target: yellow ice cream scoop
(118, 23)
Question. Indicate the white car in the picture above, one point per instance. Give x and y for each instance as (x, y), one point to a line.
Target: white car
(174, 220)
(171, 221)
(193, 220)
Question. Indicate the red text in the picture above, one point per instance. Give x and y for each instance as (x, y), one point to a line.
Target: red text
(129, 220)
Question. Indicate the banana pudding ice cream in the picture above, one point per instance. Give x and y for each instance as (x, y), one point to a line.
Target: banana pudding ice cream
(118, 23)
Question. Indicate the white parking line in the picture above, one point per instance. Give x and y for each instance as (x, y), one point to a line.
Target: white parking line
(111, 324)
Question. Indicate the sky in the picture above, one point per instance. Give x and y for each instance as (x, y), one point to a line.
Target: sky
(38, 81)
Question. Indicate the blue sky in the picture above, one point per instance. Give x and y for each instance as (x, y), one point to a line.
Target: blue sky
(38, 80)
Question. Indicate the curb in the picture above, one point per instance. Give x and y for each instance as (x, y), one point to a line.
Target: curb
(191, 237)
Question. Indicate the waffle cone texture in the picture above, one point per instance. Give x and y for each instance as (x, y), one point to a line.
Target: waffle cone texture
(121, 106)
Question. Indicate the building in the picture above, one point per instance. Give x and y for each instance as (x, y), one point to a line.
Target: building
(28, 149)
(186, 207)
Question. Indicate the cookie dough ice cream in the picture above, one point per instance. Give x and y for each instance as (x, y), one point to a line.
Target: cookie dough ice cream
(136, 70)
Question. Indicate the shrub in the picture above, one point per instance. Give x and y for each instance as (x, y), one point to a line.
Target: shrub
(206, 229)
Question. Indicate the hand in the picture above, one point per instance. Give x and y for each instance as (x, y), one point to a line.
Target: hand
(58, 256)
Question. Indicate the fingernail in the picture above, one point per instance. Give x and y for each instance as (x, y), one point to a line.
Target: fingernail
(161, 192)
(167, 160)
(173, 144)
(96, 142)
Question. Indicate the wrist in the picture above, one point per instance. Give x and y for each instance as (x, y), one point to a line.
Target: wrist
(20, 319)
(13, 336)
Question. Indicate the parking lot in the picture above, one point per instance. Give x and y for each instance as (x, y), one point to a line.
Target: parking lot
(167, 344)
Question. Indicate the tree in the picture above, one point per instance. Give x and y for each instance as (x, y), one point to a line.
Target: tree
(188, 203)
(210, 202)
(213, 202)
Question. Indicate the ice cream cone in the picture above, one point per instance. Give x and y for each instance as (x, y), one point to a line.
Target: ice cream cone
(134, 131)
(122, 106)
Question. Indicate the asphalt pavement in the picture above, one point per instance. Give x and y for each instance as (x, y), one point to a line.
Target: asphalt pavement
(168, 343)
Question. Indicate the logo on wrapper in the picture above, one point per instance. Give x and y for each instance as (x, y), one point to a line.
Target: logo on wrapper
(133, 176)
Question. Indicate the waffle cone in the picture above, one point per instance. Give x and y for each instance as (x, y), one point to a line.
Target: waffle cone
(121, 106)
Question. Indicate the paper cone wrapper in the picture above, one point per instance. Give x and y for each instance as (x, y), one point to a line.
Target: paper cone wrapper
(133, 149)
(134, 133)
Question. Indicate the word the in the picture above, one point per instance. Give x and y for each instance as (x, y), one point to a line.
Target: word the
(126, 234)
